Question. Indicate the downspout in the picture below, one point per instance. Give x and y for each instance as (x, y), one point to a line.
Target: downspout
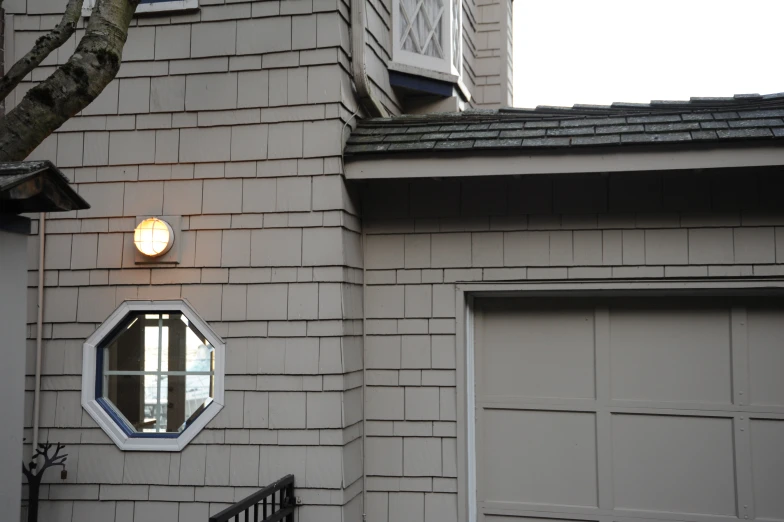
(373, 108)
(39, 328)
(358, 65)
(364, 376)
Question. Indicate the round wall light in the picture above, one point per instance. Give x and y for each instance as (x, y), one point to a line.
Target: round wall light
(153, 237)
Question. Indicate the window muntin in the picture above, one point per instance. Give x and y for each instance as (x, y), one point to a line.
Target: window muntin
(427, 34)
(158, 372)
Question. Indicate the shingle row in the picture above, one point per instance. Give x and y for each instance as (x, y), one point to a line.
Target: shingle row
(558, 127)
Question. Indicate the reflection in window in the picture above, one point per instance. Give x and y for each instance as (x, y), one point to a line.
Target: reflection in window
(158, 372)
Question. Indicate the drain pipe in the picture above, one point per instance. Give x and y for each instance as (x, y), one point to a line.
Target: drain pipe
(358, 65)
(373, 108)
(39, 328)
(364, 375)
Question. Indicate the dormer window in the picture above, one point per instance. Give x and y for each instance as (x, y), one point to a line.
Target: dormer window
(427, 35)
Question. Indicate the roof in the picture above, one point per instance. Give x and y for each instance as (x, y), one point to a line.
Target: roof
(36, 186)
(742, 118)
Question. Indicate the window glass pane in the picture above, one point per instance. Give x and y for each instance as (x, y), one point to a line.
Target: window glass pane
(153, 407)
(420, 26)
(198, 393)
(131, 356)
(158, 372)
(124, 391)
(429, 27)
(198, 352)
(407, 36)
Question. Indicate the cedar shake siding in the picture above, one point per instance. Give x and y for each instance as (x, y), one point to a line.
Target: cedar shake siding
(230, 117)
(426, 237)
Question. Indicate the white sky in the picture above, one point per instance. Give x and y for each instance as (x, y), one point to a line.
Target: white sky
(600, 51)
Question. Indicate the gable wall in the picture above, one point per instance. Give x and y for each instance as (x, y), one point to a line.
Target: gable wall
(231, 117)
(424, 236)
(489, 70)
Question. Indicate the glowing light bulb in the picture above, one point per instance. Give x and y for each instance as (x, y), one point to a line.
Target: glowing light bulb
(153, 237)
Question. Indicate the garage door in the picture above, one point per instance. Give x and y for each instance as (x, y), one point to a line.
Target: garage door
(622, 410)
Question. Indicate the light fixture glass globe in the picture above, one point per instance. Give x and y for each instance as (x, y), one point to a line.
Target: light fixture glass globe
(153, 237)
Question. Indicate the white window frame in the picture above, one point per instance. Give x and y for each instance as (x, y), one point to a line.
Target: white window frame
(89, 374)
(444, 65)
(155, 7)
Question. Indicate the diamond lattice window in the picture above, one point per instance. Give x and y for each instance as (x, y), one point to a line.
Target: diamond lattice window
(427, 34)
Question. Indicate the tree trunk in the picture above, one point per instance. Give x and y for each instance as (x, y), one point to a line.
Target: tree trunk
(73, 85)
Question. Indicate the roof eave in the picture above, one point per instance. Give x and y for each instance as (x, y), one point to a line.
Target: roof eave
(478, 163)
(36, 186)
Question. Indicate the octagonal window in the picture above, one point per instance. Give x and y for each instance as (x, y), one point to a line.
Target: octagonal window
(156, 372)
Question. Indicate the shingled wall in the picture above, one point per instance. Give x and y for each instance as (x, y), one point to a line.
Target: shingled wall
(231, 117)
(426, 236)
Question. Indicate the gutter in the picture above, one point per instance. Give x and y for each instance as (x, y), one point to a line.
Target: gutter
(358, 65)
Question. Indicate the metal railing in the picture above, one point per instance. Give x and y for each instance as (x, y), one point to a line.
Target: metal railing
(271, 504)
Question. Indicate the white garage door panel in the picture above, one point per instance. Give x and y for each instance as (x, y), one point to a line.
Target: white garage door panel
(680, 355)
(533, 366)
(542, 457)
(621, 410)
(767, 453)
(675, 464)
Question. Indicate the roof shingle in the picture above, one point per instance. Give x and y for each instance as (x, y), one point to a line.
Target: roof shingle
(740, 118)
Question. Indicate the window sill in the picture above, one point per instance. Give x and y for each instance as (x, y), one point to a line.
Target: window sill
(433, 75)
(421, 71)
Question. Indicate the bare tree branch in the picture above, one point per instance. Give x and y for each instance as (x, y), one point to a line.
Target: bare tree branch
(73, 85)
(33, 470)
(43, 47)
(27, 473)
(54, 460)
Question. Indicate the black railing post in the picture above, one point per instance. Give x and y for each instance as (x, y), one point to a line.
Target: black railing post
(291, 502)
(282, 508)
